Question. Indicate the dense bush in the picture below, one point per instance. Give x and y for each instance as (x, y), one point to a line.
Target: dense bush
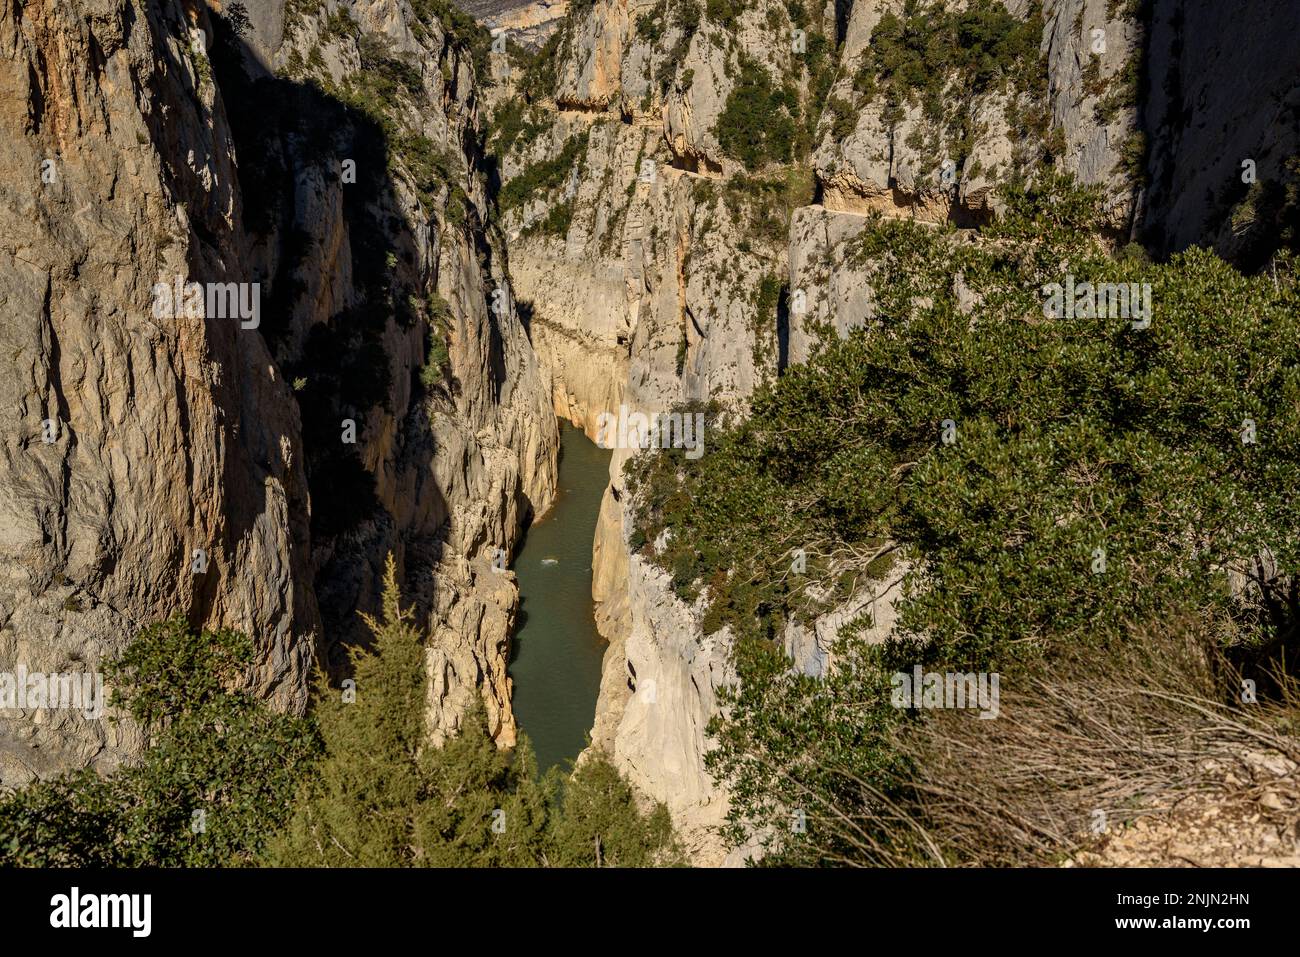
(762, 204)
(515, 123)
(1144, 416)
(1072, 436)
(681, 20)
(437, 361)
(216, 753)
(757, 125)
(915, 56)
(843, 118)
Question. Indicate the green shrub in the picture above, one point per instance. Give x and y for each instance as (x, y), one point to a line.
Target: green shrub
(394, 71)
(541, 178)
(368, 789)
(515, 124)
(942, 59)
(1124, 89)
(436, 361)
(757, 123)
(725, 13)
(763, 205)
(432, 170)
(1133, 157)
(843, 118)
(684, 20)
(1072, 436)
(555, 222)
(211, 750)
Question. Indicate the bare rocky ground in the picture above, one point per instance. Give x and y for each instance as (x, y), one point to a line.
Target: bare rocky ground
(1249, 816)
(527, 23)
(482, 9)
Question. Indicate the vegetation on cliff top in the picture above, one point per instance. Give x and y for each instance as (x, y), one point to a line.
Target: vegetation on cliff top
(942, 60)
(227, 781)
(1096, 475)
(929, 52)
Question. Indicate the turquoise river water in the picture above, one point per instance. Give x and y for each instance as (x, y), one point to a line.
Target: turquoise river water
(557, 651)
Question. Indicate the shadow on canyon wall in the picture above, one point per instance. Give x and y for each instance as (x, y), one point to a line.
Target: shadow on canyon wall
(333, 337)
(1217, 88)
(1220, 87)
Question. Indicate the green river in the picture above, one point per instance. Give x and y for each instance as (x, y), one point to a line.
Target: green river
(557, 651)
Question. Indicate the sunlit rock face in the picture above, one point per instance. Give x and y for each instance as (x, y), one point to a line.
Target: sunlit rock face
(177, 462)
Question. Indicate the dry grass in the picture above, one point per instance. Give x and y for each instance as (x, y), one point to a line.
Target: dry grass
(1125, 734)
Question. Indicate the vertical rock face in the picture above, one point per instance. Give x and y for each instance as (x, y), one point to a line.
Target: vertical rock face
(460, 460)
(1222, 100)
(944, 164)
(132, 440)
(146, 144)
(666, 261)
(1094, 51)
(671, 675)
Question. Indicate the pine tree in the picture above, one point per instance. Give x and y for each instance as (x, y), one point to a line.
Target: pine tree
(599, 825)
(384, 796)
(358, 811)
(483, 808)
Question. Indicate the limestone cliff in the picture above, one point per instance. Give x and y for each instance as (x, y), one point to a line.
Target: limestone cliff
(252, 474)
(461, 460)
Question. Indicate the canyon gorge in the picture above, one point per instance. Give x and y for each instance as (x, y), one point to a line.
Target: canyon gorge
(463, 240)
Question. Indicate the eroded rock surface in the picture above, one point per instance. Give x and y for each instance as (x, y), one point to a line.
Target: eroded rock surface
(138, 150)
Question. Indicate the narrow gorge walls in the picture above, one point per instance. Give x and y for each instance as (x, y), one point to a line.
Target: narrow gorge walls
(462, 442)
(684, 190)
(450, 243)
(325, 158)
